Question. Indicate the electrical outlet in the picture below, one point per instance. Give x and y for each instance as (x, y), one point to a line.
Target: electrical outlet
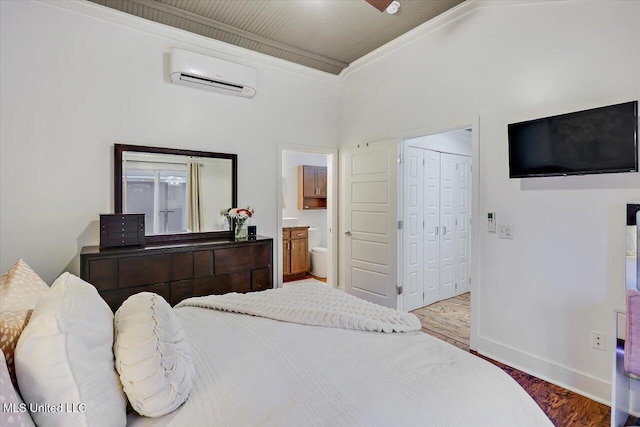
(505, 232)
(508, 232)
(598, 340)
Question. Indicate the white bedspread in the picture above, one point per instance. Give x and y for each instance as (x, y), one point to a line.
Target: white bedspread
(252, 371)
(311, 304)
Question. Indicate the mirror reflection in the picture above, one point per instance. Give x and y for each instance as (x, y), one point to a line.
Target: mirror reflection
(181, 192)
(177, 194)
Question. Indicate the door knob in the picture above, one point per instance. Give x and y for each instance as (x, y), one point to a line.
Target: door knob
(347, 233)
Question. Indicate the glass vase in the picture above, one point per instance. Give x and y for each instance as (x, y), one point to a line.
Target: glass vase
(240, 229)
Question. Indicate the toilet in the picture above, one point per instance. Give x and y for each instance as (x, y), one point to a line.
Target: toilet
(317, 253)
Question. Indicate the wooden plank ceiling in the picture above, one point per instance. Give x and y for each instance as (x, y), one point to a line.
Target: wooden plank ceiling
(323, 34)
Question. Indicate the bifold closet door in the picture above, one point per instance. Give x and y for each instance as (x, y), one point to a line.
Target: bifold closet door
(421, 262)
(432, 228)
(413, 231)
(455, 221)
(463, 224)
(448, 238)
(437, 230)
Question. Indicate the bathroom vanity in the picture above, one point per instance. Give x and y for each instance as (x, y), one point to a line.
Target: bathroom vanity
(295, 250)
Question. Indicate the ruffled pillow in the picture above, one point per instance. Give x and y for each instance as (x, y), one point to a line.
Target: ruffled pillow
(152, 355)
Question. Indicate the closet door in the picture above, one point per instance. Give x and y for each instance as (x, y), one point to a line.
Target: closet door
(413, 271)
(448, 261)
(463, 223)
(432, 229)
(437, 230)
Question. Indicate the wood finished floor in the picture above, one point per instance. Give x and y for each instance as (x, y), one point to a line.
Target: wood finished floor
(449, 320)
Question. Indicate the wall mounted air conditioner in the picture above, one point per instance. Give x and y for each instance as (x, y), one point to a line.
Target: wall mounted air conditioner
(204, 72)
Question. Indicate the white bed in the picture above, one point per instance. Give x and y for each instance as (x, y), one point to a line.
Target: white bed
(253, 371)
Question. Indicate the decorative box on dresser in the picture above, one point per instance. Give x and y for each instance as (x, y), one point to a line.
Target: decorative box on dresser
(295, 249)
(179, 270)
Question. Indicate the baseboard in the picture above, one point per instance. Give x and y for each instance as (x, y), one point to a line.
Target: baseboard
(562, 376)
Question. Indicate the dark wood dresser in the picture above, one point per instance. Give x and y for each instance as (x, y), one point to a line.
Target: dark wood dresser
(179, 270)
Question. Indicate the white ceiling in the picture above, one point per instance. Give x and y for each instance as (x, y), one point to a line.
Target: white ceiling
(323, 34)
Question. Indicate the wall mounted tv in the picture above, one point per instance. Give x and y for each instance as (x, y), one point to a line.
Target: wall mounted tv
(600, 140)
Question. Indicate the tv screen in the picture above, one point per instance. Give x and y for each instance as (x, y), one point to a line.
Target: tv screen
(600, 140)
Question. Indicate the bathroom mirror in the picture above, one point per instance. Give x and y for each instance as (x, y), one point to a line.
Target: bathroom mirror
(632, 242)
(181, 192)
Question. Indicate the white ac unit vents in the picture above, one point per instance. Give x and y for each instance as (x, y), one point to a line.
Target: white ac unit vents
(205, 72)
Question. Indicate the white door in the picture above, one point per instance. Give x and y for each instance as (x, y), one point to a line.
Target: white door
(370, 221)
(463, 225)
(447, 221)
(432, 227)
(413, 230)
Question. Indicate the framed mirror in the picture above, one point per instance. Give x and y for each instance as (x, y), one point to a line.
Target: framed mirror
(181, 192)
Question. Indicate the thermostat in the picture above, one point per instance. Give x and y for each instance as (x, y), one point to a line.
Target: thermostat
(491, 222)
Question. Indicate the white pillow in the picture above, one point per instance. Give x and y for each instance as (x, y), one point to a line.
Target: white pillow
(64, 358)
(152, 354)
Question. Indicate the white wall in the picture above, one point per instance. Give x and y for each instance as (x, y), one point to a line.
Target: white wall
(76, 78)
(538, 297)
(452, 142)
(314, 217)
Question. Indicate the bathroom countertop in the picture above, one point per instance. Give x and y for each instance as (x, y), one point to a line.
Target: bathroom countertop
(297, 227)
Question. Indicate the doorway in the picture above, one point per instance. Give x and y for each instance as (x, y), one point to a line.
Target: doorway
(306, 247)
(436, 215)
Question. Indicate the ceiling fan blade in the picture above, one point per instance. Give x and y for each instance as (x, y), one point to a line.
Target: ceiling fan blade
(381, 5)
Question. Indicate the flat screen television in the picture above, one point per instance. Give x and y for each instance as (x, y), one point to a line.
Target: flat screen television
(600, 140)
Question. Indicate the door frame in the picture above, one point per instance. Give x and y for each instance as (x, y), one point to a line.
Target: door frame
(332, 209)
(477, 217)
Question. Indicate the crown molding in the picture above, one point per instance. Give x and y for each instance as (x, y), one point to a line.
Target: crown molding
(171, 10)
(186, 39)
(446, 18)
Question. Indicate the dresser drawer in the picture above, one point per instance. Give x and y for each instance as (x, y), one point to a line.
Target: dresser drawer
(181, 290)
(115, 298)
(202, 263)
(261, 279)
(143, 270)
(103, 273)
(262, 256)
(217, 285)
(182, 266)
(286, 235)
(232, 259)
